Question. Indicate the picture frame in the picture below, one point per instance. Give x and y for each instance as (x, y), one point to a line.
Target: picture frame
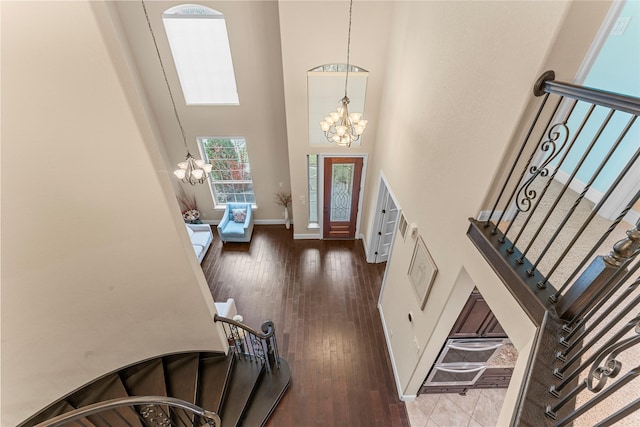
(422, 271)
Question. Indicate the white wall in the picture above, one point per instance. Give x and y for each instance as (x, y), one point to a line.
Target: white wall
(254, 36)
(97, 270)
(459, 78)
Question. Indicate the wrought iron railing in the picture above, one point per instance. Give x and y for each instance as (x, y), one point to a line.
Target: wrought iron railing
(546, 226)
(151, 411)
(250, 344)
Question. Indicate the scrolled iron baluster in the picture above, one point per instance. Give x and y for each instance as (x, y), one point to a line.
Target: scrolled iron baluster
(237, 337)
(261, 346)
(603, 350)
(154, 417)
(599, 397)
(526, 195)
(605, 366)
(258, 349)
(515, 162)
(611, 367)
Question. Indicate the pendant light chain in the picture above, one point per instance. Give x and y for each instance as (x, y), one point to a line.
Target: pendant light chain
(164, 73)
(191, 171)
(340, 127)
(348, 48)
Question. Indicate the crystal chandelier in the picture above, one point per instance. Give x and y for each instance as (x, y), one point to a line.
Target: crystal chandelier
(339, 126)
(192, 171)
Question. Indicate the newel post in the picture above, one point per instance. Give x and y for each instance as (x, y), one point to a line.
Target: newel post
(599, 277)
(268, 328)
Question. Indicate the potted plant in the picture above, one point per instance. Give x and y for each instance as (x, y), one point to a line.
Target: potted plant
(284, 199)
(189, 207)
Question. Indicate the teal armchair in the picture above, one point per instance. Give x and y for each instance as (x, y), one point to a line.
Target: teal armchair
(236, 224)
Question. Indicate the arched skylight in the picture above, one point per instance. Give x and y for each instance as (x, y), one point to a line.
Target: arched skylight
(200, 47)
(339, 68)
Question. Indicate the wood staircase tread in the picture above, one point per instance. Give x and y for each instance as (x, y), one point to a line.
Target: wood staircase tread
(109, 387)
(181, 375)
(145, 380)
(82, 421)
(238, 388)
(214, 374)
(247, 373)
(268, 394)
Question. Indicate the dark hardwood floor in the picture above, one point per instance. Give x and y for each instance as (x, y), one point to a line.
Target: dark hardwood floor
(322, 297)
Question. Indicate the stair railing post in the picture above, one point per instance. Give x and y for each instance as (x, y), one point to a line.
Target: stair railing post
(272, 347)
(597, 278)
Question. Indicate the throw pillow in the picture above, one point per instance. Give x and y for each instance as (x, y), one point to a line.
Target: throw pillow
(239, 215)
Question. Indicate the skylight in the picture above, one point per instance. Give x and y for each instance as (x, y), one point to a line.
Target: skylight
(200, 47)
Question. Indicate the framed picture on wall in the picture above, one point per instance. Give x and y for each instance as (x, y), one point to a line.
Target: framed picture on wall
(422, 271)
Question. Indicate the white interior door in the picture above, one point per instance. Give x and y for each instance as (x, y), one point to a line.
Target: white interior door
(389, 221)
(385, 224)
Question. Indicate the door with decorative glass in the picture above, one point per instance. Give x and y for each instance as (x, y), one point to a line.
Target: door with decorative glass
(342, 176)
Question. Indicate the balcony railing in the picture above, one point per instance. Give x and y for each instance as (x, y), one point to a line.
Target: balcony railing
(550, 234)
(250, 344)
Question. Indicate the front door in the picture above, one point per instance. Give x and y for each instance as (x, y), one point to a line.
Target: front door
(341, 196)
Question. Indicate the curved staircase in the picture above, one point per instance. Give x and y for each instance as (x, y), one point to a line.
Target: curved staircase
(242, 388)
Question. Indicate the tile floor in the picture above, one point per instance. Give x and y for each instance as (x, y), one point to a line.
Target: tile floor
(479, 408)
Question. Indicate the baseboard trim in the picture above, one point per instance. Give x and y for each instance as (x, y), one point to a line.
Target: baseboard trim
(257, 221)
(270, 222)
(484, 216)
(365, 247)
(576, 185)
(393, 362)
(300, 236)
(632, 217)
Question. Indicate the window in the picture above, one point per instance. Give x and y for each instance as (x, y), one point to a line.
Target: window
(200, 48)
(325, 89)
(312, 169)
(231, 173)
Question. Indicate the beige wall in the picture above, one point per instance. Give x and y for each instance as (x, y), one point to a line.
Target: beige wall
(464, 99)
(96, 266)
(253, 29)
(302, 50)
(459, 78)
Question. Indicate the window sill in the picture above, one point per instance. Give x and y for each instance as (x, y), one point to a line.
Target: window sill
(223, 207)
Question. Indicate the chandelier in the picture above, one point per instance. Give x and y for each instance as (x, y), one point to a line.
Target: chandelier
(339, 126)
(192, 171)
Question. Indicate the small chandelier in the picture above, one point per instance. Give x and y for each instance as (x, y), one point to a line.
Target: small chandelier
(339, 126)
(191, 171)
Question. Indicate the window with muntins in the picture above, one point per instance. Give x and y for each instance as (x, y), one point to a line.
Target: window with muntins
(202, 55)
(230, 177)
